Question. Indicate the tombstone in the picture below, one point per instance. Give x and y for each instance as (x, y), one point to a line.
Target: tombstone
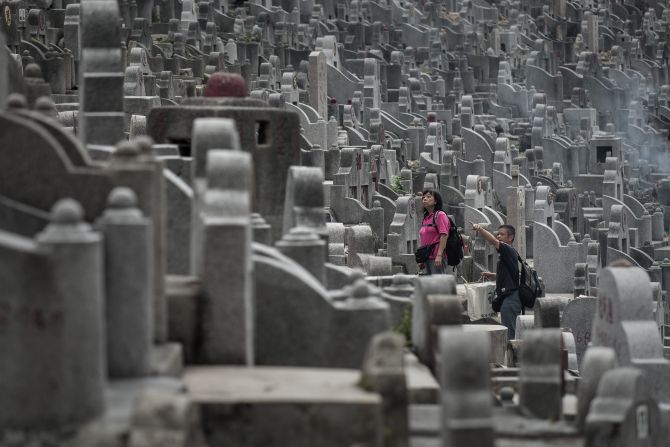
(53, 331)
(624, 411)
(318, 83)
(596, 362)
(541, 374)
(435, 303)
(101, 118)
(467, 413)
(227, 322)
(383, 372)
(624, 322)
(578, 316)
(128, 285)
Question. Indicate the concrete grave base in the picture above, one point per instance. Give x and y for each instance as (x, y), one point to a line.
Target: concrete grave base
(275, 406)
(498, 339)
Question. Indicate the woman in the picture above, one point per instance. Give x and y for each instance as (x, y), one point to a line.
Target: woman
(434, 231)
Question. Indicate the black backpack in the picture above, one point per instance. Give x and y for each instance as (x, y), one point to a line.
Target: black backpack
(529, 284)
(454, 248)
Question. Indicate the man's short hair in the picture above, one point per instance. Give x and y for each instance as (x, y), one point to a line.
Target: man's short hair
(510, 230)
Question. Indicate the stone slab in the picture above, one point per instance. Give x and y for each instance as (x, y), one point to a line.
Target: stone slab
(273, 406)
(230, 384)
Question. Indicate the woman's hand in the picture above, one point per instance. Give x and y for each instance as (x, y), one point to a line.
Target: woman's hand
(438, 262)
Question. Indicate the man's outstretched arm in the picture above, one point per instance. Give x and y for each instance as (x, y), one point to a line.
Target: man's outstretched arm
(490, 238)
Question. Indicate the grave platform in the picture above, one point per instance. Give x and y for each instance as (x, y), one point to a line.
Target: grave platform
(511, 429)
(258, 406)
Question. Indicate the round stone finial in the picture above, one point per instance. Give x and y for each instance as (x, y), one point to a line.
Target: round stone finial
(376, 204)
(122, 197)
(32, 70)
(126, 149)
(360, 289)
(16, 101)
(221, 84)
(144, 144)
(301, 233)
(44, 103)
(46, 107)
(67, 211)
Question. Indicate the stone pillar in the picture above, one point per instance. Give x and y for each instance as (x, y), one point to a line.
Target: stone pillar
(376, 220)
(101, 74)
(318, 83)
(261, 229)
(305, 247)
(665, 275)
(384, 373)
(541, 374)
(645, 229)
(657, 230)
(151, 196)
(516, 212)
(467, 412)
(128, 285)
(358, 318)
(56, 375)
(227, 323)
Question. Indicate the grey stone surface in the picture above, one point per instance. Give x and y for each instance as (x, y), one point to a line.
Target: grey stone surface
(129, 308)
(552, 118)
(53, 330)
(624, 411)
(540, 376)
(311, 403)
(467, 414)
(624, 322)
(578, 316)
(228, 313)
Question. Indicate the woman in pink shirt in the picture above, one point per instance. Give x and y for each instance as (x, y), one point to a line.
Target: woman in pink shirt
(434, 231)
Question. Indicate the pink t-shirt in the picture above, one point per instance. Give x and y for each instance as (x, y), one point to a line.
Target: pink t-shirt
(428, 234)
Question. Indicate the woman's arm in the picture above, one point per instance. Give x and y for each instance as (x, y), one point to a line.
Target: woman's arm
(440, 250)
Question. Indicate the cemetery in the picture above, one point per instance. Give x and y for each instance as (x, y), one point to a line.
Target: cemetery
(209, 213)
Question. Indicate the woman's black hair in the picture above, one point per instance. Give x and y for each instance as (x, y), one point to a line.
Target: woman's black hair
(438, 201)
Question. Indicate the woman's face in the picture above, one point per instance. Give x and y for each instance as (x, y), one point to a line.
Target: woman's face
(428, 200)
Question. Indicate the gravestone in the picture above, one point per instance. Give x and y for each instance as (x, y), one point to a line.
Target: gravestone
(578, 316)
(52, 330)
(318, 83)
(467, 413)
(541, 374)
(101, 118)
(624, 411)
(624, 321)
(128, 285)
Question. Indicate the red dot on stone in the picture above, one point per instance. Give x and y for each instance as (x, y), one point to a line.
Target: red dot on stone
(222, 84)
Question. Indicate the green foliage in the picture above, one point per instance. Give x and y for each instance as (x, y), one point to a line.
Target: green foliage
(396, 185)
(405, 326)
(248, 37)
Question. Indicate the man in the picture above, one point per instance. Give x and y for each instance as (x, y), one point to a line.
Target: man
(506, 275)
